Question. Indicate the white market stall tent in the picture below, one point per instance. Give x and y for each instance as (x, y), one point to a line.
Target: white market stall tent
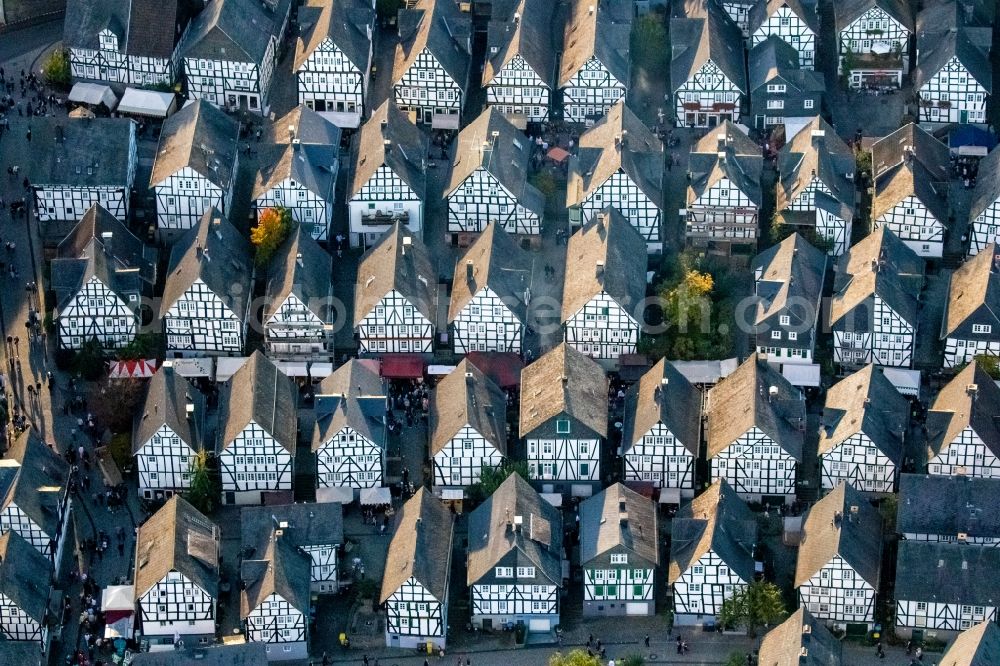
(93, 94)
(147, 103)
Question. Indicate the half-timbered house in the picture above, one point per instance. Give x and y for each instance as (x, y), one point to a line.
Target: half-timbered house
(707, 68)
(971, 323)
(912, 170)
(514, 563)
(661, 431)
(793, 22)
(349, 437)
(874, 39)
(274, 599)
(488, 309)
(739, 11)
(711, 553)
(618, 163)
(299, 165)
(564, 420)
(800, 640)
(862, 432)
(754, 430)
(432, 64)
(873, 311)
(782, 92)
(467, 427)
(168, 434)
(128, 42)
(963, 436)
(488, 181)
(195, 166)
(603, 292)
(816, 182)
(949, 509)
(25, 589)
(333, 57)
(788, 284)
(520, 63)
(395, 296)
(840, 559)
(978, 645)
(619, 553)
(315, 529)
(418, 573)
(724, 193)
(299, 311)
(177, 555)
(206, 296)
(76, 163)
(99, 274)
(388, 161)
(231, 52)
(984, 208)
(594, 68)
(944, 588)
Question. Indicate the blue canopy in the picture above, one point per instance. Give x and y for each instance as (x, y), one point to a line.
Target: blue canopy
(970, 135)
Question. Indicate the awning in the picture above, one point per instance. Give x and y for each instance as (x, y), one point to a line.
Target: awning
(118, 598)
(558, 154)
(555, 499)
(147, 103)
(226, 367)
(375, 496)
(192, 367)
(644, 488)
(631, 367)
(440, 369)
(402, 366)
(801, 374)
(81, 112)
(293, 368)
(906, 381)
(342, 494)
(93, 94)
(881, 48)
(706, 372)
(504, 368)
(119, 626)
(670, 495)
(139, 368)
(973, 151)
(447, 121)
(321, 369)
(452, 494)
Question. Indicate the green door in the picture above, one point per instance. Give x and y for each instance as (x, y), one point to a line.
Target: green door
(963, 116)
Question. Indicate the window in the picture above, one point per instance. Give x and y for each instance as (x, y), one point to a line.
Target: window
(807, 104)
(775, 103)
(785, 320)
(526, 572)
(775, 335)
(619, 558)
(981, 328)
(792, 335)
(562, 426)
(504, 572)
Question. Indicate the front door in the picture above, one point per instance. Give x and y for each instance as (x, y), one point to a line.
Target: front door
(230, 497)
(713, 121)
(428, 116)
(702, 120)
(242, 101)
(963, 116)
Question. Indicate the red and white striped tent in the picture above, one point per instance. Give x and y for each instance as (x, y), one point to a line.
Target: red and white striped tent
(137, 369)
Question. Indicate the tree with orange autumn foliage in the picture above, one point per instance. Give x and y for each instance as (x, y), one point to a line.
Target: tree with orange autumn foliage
(273, 227)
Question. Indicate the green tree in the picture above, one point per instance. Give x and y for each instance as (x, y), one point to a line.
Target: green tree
(143, 346)
(649, 35)
(575, 658)
(991, 364)
(736, 659)
(490, 478)
(273, 227)
(632, 659)
(757, 605)
(55, 69)
(204, 491)
(89, 360)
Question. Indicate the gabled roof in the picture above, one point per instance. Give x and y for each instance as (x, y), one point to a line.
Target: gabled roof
(978, 646)
(349, 24)
(354, 395)
(236, 30)
(941, 36)
(755, 395)
(910, 180)
(948, 505)
(842, 523)
(564, 381)
(974, 286)
(218, 255)
(283, 570)
(742, 162)
(703, 36)
(81, 152)
(596, 30)
(947, 573)
(496, 262)
(492, 143)
(603, 254)
(389, 138)
(390, 264)
(167, 398)
(148, 28)
(865, 402)
(663, 395)
(177, 538)
(618, 142)
(789, 275)
(987, 190)
(302, 525)
(815, 150)
(34, 478)
(618, 517)
(970, 399)
(127, 250)
(25, 576)
(303, 268)
(847, 11)
(524, 34)
(421, 547)
(443, 30)
(261, 393)
(772, 59)
(201, 137)
(301, 146)
(467, 397)
(494, 532)
(801, 640)
(762, 11)
(718, 521)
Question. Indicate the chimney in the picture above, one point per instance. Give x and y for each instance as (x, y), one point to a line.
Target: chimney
(106, 237)
(565, 380)
(470, 270)
(772, 393)
(217, 225)
(599, 269)
(407, 242)
(188, 406)
(590, 10)
(296, 144)
(298, 259)
(291, 132)
(204, 254)
(972, 390)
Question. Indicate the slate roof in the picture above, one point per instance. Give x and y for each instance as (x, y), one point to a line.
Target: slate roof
(978, 646)
(303, 268)
(441, 28)
(493, 532)
(354, 395)
(235, 30)
(601, 34)
(389, 138)
(302, 525)
(865, 402)
(177, 538)
(497, 263)
(835, 527)
(716, 520)
(563, 381)
(420, 547)
(347, 24)
(80, 152)
(788, 276)
(506, 158)
(604, 256)
(827, 157)
(467, 397)
(143, 27)
(773, 58)
(201, 137)
(35, 481)
(742, 163)
(167, 397)
(911, 180)
(283, 570)
(663, 395)
(947, 505)
(126, 248)
(974, 285)
(312, 162)
(946, 573)
(391, 264)
(618, 142)
(527, 36)
(260, 393)
(955, 408)
(801, 640)
(604, 525)
(987, 189)
(936, 47)
(237, 654)
(743, 400)
(760, 12)
(847, 11)
(704, 36)
(25, 576)
(911, 141)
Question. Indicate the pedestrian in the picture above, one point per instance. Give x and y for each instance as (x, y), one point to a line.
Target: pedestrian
(598, 644)
(28, 135)
(879, 652)
(121, 553)
(365, 659)
(919, 653)
(611, 662)
(326, 659)
(590, 639)
(646, 640)
(909, 648)
(680, 645)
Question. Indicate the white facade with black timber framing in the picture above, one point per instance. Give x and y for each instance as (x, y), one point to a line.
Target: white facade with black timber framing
(25, 588)
(971, 323)
(275, 598)
(520, 63)
(873, 38)
(984, 209)
(594, 68)
(790, 21)
(962, 438)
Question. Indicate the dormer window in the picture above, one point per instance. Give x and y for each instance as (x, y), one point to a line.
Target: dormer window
(562, 426)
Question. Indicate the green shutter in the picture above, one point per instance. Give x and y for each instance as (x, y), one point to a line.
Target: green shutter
(637, 590)
(598, 590)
